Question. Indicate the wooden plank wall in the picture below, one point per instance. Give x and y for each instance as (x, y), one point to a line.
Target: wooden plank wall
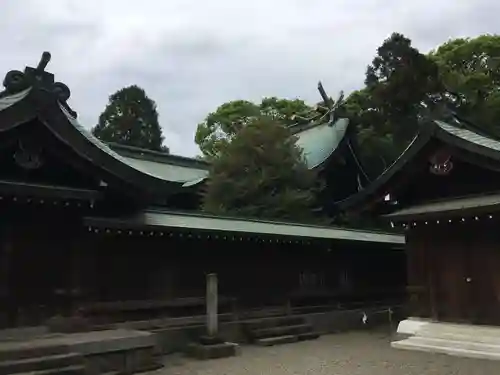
(453, 271)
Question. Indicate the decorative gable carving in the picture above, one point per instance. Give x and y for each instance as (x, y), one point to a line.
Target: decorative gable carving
(441, 163)
(28, 156)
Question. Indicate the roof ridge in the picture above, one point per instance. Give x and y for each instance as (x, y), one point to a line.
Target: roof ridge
(155, 156)
(257, 220)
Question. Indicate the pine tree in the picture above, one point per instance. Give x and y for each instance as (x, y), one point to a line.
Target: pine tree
(131, 118)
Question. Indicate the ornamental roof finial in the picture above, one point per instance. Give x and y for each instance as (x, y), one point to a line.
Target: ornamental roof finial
(44, 61)
(16, 81)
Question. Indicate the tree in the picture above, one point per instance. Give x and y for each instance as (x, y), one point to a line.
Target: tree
(131, 118)
(386, 112)
(373, 132)
(261, 173)
(221, 126)
(470, 70)
(401, 79)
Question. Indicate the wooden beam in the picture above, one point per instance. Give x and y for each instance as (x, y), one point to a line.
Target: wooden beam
(326, 99)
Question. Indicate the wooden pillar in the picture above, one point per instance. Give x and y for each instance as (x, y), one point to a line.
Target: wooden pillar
(212, 305)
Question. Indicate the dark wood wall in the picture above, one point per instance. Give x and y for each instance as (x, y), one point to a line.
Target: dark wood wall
(51, 264)
(37, 259)
(453, 271)
(253, 269)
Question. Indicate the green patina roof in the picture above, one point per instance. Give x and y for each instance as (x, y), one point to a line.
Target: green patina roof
(319, 142)
(176, 220)
(166, 171)
(469, 136)
(160, 170)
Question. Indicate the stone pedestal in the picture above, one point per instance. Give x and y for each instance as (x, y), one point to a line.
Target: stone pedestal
(213, 351)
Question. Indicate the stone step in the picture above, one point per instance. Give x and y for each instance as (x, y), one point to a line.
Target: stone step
(274, 322)
(458, 336)
(457, 344)
(269, 341)
(308, 336)
(69, 370)
(18, 351)
(435, 329)
(39, 363)
(281, 331)
(455, 348)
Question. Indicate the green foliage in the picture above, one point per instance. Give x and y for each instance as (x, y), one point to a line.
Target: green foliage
(401, 79)
(131, 118)
(221, 126)
(401, 86)
(386, 111)
(261, 173)
(470, 68)
(374, 133)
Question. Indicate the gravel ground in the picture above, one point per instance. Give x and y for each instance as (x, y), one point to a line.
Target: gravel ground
(355, 353)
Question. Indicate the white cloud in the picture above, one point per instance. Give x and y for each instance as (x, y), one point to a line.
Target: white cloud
(191, 56)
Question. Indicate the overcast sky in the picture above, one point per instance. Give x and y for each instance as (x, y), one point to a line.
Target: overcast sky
(191, 56)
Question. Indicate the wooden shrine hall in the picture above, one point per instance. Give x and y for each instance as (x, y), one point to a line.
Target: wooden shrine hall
(444, 191)
(113, 231)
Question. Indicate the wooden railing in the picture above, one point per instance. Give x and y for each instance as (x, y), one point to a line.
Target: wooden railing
(107, 312)
(182, 310)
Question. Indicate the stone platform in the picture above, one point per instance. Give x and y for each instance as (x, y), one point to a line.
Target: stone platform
(462, 340)
(103, 351)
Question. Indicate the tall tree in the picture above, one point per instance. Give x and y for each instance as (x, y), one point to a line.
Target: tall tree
(387, 110)
(401, 79)
(131, 118)
(261, 173)
(221, 126)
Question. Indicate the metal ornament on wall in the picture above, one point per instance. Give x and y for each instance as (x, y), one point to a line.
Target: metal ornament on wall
(16, 81)
(441, 164)
(28, 157)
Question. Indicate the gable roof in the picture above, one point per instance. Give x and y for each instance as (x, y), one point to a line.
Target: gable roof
(43, 99)
(458, 136)
(34, 95)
